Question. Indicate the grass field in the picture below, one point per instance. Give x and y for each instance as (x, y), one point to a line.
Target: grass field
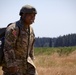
(0, 71)
(55, 61)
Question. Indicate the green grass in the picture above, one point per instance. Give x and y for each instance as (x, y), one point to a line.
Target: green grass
(56, 61)
(51, 50)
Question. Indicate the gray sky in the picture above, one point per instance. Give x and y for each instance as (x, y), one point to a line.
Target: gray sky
(54, 18)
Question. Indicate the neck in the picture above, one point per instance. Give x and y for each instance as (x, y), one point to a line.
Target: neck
(25, 24)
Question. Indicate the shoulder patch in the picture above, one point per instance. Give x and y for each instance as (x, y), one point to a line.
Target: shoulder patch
(14, 32)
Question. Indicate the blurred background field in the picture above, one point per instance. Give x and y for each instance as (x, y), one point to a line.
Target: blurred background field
(55, 60)
(0, 71)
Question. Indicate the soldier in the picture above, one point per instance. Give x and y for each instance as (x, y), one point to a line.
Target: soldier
(19, 43)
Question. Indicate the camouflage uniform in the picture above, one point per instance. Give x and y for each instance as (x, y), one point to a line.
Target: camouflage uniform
(18, 50)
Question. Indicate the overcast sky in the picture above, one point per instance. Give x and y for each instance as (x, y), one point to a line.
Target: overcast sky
(54, 18)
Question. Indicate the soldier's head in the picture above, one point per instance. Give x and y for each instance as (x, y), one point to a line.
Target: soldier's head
(28, 13)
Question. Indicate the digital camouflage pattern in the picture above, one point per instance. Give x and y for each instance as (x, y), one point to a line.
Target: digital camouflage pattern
(19, 50)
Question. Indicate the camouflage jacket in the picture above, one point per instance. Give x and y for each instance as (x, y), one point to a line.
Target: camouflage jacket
(18, 47)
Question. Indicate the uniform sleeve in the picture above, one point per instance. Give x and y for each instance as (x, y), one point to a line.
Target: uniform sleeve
(32, 52)
(32, 46)
(10, 44)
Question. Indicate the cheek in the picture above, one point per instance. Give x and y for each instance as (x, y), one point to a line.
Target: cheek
(27, 19)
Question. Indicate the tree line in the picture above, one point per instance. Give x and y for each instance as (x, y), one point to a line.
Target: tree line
(61, 41)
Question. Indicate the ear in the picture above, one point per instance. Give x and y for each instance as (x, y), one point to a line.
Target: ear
(23, 16)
